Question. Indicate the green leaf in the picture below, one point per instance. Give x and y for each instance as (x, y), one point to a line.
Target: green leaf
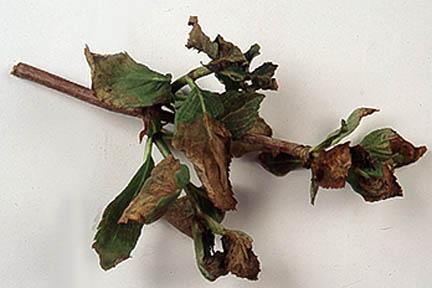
(114, 242)
(252, 52)
(120, 81)
(388, 146)
(211, 264)
(160, 190)
(198, 102)
(347, 127)
(240, 111)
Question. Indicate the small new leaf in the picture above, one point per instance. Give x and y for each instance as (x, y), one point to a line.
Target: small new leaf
(114, 242)
(120, 81)
(163, 187)
(388, 146)
(347, 127)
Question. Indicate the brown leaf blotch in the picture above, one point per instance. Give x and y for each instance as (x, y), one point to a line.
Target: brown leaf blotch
(330, 168)
(160, 184)
(206, 143)
(240, 259)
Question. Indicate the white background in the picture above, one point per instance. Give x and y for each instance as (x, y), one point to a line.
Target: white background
(62, 161)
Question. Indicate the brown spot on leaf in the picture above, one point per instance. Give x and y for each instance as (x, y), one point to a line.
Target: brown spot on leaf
(380, 188)
(161, 184)
(330, 168)
(180, 214)
(206, 143)
(407, 151)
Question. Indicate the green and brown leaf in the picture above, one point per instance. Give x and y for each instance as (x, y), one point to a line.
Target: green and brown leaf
(160, 190)
(114, 242)
(121, 82)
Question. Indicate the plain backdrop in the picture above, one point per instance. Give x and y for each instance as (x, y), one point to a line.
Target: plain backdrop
(62, 161)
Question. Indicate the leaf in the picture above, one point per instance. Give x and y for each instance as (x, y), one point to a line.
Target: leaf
(239, 147)
(114, 242)
(280, 164)
(204, 204)
(163, 187)
(330, 168)
(206, 143)
(388, 146)
(200, 41)
(211, 264)
(240, 111)
(262, 77)
(252, 52)
(347, 127)
(240, 259)
(181, 214)
(192, 107)
(372, 179)
(120, 81)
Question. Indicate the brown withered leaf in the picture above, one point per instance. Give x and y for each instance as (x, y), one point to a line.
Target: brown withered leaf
(372, 179)
(158, 192)
(239, 257)
(199, 40)
(206, 143)
(280, 164)
(239, 148)
(330, 168)
(180, 214)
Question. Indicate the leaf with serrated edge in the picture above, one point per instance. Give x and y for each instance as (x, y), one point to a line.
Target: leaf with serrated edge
(160, 190)
(206, 143)
(114, 242)
(120, 81)
(387, 145)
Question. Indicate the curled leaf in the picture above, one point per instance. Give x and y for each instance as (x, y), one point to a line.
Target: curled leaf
(158, 193)
(120, 81)
(239, 147)
(372, 179)
(262, 77)
(280, 164)
(240, 259)
(114, 242)
(210, 263)
(387, 145)
(330, 168)
(199, 40)
(206, 143)
(347, 127)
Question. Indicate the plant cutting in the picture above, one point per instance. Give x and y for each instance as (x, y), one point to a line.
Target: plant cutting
(210, 129)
